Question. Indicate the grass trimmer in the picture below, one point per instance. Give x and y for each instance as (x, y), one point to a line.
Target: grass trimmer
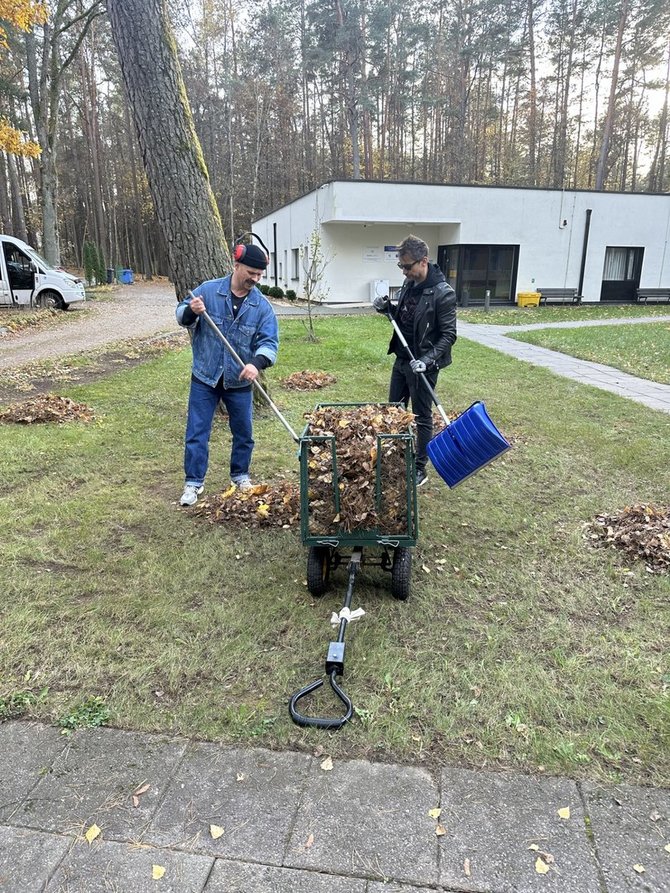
(466, 444)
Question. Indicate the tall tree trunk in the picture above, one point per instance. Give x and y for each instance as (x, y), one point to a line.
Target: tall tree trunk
(601, 169)
(532, 101)
(18, 217)
(176, 170)
(5, 203)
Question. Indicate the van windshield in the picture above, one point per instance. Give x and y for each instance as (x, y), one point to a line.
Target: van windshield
(40, 260)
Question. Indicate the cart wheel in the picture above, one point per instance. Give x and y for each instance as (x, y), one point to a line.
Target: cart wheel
(401, 573)
(318, 569)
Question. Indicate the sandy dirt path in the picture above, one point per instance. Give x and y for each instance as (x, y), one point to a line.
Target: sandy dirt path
(133, 311)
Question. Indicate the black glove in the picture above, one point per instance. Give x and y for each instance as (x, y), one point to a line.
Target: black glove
(381, 303)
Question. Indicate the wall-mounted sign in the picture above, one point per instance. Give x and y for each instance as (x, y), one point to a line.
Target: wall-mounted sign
(372, 253)
(390, 253)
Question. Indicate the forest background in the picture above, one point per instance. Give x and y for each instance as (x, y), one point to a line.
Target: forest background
(286, 95)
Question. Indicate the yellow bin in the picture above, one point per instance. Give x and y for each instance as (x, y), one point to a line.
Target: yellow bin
(528, 298)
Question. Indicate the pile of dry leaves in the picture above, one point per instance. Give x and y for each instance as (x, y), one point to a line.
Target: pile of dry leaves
(47, 408)
(355, 431)
(266, 505)
(641, 531)
(308, 381)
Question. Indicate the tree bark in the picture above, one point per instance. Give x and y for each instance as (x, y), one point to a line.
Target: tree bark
(601, 169)
(173, 160)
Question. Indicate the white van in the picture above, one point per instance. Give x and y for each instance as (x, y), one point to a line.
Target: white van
(26, 279)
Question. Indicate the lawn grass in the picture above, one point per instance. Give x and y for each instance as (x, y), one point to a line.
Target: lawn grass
(521, 645)
(522, 316)
(642, 349)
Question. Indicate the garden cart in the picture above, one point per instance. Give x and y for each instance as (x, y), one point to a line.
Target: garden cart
(330, 543)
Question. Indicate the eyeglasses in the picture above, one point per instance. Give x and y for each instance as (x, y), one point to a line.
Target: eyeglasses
(408, 267)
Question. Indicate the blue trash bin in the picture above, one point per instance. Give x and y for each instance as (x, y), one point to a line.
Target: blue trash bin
(126, 277)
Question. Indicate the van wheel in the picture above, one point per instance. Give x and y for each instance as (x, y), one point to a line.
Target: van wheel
(49, 300)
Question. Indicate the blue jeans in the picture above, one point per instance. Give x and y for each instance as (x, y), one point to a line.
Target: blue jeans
(202, 403)
(406, 385)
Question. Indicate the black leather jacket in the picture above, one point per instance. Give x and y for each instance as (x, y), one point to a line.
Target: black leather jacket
(434, 324)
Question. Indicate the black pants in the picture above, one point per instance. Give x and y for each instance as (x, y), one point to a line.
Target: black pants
(407, 385)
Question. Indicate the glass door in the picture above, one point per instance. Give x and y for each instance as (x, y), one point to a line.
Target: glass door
(621, 273)
(472, 270)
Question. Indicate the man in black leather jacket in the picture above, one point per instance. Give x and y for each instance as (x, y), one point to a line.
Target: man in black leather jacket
(426, 315)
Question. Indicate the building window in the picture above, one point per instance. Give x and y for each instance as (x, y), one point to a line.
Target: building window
(474, 270)
(295, 264)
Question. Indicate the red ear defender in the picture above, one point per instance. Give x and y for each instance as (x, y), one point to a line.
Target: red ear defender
(239, 252)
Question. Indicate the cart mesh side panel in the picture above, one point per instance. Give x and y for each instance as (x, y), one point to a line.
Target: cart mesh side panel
(384, 501)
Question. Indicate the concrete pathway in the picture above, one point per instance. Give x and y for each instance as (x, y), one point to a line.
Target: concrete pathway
(207, 817)
(651, 394)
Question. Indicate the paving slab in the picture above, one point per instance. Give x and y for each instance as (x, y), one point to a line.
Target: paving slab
(252, 794)
(93, 779)
(493, 819)
(105, 866)
(368, 820)
(631, 826)
(33, 748)
(28, 859)
(242, 877)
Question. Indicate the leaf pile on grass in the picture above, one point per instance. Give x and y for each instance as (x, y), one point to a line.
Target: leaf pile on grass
(149, 347)
(308, 380)
(265, 505)
(37, 319)
(357, 432)
(47, 408)
(641, 531)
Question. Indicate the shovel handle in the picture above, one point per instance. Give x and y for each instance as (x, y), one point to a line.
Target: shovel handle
(423, 378)
(213, 326)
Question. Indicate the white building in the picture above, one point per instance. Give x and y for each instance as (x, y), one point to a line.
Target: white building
(598, 245)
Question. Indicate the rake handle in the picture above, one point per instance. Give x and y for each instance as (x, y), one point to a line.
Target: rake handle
(422, 376)
(213, 326)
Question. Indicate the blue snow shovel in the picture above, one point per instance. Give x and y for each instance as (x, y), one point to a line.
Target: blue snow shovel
(465, 444)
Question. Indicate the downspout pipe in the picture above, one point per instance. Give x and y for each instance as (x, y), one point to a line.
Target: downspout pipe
(274, 240)
(584, 252)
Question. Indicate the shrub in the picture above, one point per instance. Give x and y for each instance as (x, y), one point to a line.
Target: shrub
(264, 289)
(275, 292)
(290, 294)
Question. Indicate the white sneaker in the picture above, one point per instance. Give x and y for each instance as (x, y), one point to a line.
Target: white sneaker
(190, 494)
(243, 483)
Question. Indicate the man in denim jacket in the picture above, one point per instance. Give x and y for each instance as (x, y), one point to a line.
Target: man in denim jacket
(248, 321)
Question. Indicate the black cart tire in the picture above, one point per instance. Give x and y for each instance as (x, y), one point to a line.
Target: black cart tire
(401, 573)
(318, 569)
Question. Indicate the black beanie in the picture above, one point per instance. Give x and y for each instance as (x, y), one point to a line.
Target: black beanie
(251, 256)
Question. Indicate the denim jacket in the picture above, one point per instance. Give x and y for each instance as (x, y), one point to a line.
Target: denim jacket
(254, 332)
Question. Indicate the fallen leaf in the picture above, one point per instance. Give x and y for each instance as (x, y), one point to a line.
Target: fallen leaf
(136, 801)
(639, 868)
(216, 831)
(440, 831)
(92, 833)
(309, 841)
(142, 790)
(435, 813)
(241, 776)
(327, 764)
(541, 866)
(466, 868)
(157, 872)
(564, 812)
(667, 848)
(534, 847)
